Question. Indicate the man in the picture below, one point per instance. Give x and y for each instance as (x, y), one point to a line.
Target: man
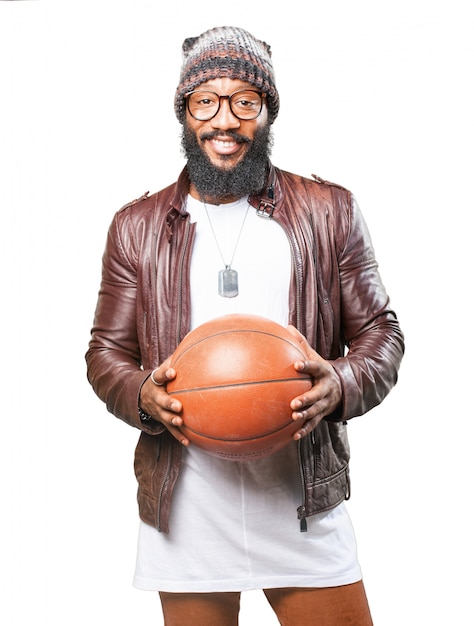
(235, 234)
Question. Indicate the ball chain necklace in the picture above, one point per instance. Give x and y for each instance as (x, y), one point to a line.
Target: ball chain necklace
(228, 278)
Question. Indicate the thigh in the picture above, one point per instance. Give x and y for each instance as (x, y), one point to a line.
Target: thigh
(327, 606)
(200, 609)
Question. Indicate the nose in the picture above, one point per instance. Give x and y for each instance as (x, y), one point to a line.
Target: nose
(224, 118)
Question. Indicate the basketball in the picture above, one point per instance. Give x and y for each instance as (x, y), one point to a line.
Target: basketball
(235, 379)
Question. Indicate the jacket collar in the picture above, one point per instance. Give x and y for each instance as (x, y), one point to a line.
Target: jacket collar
(265, 201)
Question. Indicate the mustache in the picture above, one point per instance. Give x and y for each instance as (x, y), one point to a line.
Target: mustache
(231, 134)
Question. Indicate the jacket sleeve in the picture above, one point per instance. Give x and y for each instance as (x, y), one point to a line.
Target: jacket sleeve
(113, 359)
(375, 343)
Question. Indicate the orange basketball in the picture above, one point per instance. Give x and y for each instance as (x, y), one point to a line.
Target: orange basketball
(235, 379)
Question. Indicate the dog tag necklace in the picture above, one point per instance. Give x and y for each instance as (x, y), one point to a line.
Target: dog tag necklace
(228, 278)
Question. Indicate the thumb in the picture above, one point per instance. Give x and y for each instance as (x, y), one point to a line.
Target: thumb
(302, 342)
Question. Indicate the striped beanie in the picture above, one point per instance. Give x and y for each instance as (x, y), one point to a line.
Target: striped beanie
(226, 52)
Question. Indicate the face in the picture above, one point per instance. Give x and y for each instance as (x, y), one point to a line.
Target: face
(222, 149)
(227, 156)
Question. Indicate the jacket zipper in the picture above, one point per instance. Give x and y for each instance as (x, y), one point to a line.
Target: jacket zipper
(159, 447)
(296, 265)
(178, 339)
(180, 281)
(301, 510)
(162, 488)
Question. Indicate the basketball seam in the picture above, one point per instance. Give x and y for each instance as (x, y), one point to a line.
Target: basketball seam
(241, 384)
(231, 441)
(241, 330)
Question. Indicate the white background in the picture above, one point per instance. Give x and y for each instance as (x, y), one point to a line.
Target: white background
(377, 96)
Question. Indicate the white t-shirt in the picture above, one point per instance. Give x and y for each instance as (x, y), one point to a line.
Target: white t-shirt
(234, 526)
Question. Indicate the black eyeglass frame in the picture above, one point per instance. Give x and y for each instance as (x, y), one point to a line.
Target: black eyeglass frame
(262, 95)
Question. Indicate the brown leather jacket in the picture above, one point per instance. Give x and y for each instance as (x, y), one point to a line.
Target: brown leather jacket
(337, 301)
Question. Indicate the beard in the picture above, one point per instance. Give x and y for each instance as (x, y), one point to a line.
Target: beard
(217, 184)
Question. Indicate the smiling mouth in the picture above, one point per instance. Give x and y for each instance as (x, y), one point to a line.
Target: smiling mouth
(224, 143)
(225, 146)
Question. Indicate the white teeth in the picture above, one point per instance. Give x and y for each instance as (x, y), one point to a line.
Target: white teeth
(225, 144)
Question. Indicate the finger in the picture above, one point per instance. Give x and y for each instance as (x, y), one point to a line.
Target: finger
(173, 406)
(315, 405)
(309, 426)
(161, 375)
(306, 400)
(315, 367)
(178, 434)
(173, 423)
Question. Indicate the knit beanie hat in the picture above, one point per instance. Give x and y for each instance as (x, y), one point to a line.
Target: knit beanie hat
(226, 52)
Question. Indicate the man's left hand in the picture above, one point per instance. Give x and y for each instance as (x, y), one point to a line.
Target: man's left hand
(325, 395)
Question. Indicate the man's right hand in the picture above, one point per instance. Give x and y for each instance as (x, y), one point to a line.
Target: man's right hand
(162, 407)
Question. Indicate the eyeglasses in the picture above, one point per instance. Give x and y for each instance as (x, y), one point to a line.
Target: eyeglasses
(245, 104)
